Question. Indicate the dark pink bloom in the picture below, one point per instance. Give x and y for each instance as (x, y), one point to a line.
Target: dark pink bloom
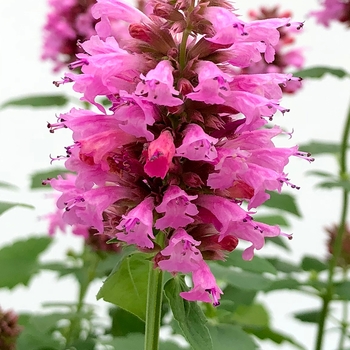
(181, 143)
(177, 207)
(68, 22)
(160, 153)
(197, 145)
(158, 86)
(183, 254)
(137, 225)
(338, 10)
(205, 287)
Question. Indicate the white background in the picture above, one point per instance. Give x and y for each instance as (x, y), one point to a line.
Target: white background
(317, 113)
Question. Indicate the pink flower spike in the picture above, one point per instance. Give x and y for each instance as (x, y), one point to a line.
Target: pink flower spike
(205, 287)
(158, 86)
(177, 206)
(137, 225)
(197, 145)
(159, 155)
(184, 256)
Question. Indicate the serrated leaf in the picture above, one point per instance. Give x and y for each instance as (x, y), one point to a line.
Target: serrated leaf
(19, 260)
(257, 264)
(230, 337)
(37, 101)
(126, 287)
(284, 202)
(8, 185)
(241, 279)
(311, 316)
(38, 177)
(319, 72)
(4, 206)
(273, 335)
(189, 316)
(310, 263)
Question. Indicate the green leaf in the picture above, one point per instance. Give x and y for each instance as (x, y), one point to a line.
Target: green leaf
(230, 337)
(38, 177)
(37, 101)
(257, 264)
(126, 287)
(238, 296)
(319, 72)
(285, 283)
(284, 266)
(311, 316)
(273, 335)
(251, 315)
(124, 322)
(342, 290)
(320, 147)
(189, 316)
(241, 279)
(4, 206)
(345, 185)
(320, 173)
(135, 341)
(279, 241)
(310, 263)
(19, 261)
(8, 185)
(37, 333)
(284, 202)
(272, 220)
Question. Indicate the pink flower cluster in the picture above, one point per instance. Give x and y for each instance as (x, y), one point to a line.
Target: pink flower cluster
(286, 58)
(68, 23)
(338, 10)
(182, 154)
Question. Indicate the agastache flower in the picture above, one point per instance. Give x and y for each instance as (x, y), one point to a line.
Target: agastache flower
(179, 144)
(9, 330)
(333, 10)
(68, 22)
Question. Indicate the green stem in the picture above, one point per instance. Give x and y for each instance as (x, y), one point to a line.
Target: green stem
(183, 45)
(328, 295)
(91, 260)
(344, 322)
(154, 308)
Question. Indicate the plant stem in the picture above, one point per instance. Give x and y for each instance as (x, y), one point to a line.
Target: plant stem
(91, 260)
(344, 322)
(154, 308)
(328, 295)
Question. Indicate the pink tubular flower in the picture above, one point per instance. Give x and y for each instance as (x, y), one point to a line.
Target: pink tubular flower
(183, 254)
(68, 22)
(177, 207)
(197, 145)
(181, 143)
(160, 153)
(137, 225)
(205, 287)
(338, 10)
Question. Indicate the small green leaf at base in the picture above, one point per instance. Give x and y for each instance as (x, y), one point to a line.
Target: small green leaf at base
(189, 316)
